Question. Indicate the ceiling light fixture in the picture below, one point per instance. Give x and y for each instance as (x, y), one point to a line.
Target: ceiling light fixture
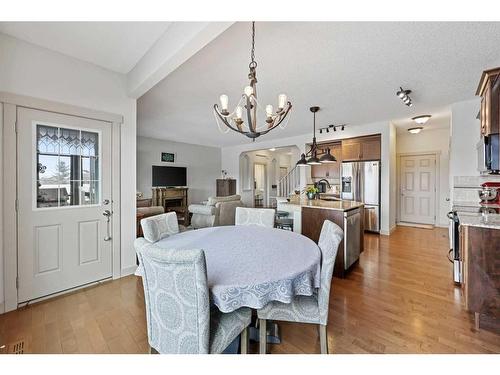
(272, 149)
(327, 157)
(404, 95)
(332, 126)
(248, 102)
(421, 120)
(416, 129)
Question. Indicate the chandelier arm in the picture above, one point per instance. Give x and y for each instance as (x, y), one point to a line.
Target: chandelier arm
(284, 114)
(223, 119)
(249, 115)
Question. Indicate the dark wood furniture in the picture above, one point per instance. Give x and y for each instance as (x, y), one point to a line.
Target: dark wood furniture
(361, 148)
(173, 200)
(312, 221)
(138, 218)
(481, 265)
(225, 187)
(489, 91)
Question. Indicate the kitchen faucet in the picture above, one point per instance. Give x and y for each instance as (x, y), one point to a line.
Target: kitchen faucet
(327, 183)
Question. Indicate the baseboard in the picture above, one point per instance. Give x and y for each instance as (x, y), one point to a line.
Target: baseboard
(415, 225)
(128, 271)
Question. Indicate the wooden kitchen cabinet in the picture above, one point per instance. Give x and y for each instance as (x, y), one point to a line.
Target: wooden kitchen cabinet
(489, 91)
(328, 170)
(361, 148)
(481, 280)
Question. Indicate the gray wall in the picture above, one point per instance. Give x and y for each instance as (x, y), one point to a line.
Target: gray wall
(203, 165)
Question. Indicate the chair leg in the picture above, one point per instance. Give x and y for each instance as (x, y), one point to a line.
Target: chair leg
(153, 350)
(244, 341)
(262, 336)
(323, 340)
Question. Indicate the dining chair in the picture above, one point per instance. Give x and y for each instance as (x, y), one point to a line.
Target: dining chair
(155, 228)
(308, 309)
(263, 217)
(180, 319)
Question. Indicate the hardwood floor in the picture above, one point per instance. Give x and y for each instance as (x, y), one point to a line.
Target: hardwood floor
(400, 298)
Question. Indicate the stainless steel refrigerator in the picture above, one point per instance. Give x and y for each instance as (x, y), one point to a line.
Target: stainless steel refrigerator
(361, 183)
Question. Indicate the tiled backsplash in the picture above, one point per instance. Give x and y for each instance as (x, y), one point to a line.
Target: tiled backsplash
(465, 188)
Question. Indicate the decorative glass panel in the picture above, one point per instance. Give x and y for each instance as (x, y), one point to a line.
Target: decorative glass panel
(67, 171)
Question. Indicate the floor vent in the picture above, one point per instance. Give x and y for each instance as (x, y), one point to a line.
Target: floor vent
(17, 347)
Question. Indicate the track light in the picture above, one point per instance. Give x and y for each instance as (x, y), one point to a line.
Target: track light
(334, 128)
(404, 95)
(342, 127)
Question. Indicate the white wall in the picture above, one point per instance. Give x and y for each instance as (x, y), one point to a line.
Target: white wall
(203, 165)
(465, 134)
(432, 140)
(30, 70)
(2, 296)
(230, 159)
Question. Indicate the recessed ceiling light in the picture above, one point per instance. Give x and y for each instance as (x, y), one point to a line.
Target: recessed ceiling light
(272, 149)
(421, 119)
(416, 129)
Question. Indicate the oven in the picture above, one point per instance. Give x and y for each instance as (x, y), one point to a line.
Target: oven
(454, 254)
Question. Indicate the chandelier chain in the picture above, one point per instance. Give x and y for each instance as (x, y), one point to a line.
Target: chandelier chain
(253, 63)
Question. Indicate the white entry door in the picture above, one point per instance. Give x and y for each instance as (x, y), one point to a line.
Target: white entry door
(64, 192)
(418, 189)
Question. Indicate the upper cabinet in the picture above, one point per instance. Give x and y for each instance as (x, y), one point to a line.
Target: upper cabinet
(489, 91)
(361, 148)
(328, 170)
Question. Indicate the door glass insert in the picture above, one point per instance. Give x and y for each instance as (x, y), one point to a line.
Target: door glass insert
(67, 167)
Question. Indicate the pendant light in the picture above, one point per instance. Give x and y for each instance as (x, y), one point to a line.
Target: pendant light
(313, 152)
(327, 157)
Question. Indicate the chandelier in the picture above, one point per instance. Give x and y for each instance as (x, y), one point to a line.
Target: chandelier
(243, 119)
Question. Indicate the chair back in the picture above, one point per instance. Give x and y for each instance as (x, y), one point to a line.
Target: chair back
(329, 240)
(177, 299)
(161, 226)
(263, 217)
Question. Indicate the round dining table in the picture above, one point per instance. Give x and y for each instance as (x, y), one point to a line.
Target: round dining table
(253, 265)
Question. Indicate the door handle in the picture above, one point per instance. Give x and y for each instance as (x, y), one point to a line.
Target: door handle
(108, 214)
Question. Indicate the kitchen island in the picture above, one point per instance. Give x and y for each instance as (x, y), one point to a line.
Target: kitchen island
(480, 241)
(309, 216)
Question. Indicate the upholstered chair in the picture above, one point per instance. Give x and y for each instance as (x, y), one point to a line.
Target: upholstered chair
(179, 317)
(308, 309)
(216, 211)
(161, 226)
(155, 228)
(263, 217)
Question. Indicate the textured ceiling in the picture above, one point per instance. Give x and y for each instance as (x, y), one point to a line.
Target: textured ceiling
(116, 46)
(351, 70)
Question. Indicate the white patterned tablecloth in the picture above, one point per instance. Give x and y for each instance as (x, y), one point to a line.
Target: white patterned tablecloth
(251, 265)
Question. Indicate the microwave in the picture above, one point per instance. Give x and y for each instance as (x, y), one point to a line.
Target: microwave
(488, 154)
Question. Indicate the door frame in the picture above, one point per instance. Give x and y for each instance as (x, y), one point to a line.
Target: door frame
(437, 176)
(266, 179)
(8, 191)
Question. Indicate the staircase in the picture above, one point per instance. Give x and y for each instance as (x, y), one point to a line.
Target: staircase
(289, 183)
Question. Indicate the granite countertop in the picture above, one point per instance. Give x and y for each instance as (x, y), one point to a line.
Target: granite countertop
(339, 205)
(491, 221)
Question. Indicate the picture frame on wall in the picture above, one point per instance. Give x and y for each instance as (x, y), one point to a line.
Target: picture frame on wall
(168, 157)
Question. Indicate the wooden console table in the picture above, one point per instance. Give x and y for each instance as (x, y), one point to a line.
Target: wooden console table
(173, 200)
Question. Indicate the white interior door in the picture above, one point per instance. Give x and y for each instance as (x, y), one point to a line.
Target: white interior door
(418, 189)
(64, 189)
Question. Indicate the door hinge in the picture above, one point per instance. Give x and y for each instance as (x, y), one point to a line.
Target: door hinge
(15, 126)
(17, 282)
(17, 204)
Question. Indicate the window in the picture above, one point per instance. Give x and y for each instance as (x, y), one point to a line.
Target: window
(67, 167)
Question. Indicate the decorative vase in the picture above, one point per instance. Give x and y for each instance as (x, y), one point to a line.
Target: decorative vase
(311, 195)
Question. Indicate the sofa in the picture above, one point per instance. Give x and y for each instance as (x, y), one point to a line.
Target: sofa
(216, 211)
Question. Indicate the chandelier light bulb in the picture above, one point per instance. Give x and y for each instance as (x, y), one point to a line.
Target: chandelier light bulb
(269, 110)
(224, 101)
(239, 112)
(248, 90)
(281, 101)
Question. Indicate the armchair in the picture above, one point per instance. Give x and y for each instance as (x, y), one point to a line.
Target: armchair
(217, 211)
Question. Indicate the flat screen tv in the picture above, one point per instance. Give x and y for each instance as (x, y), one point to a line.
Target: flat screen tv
(169, 176)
